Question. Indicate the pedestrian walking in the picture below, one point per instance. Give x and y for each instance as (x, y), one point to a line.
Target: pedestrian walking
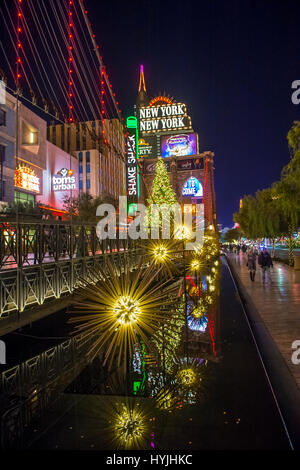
(251, 263)
(265, 262)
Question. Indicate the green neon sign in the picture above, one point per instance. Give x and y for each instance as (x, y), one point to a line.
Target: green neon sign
(132, 123)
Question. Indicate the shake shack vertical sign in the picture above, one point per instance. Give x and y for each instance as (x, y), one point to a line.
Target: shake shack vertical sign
(131, 165)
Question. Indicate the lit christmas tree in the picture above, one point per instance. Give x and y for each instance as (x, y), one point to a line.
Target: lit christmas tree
(161, 192)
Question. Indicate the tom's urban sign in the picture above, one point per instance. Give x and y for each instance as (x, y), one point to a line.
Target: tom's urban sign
(162, 118)
(63, 180)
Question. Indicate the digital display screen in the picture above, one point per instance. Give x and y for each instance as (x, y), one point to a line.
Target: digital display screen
(178, 145)
(193, 188)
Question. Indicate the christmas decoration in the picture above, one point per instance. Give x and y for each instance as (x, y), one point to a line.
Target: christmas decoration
(161, 193)
(124, 308)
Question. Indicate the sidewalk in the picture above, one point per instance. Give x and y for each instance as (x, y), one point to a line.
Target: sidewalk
(277, 303)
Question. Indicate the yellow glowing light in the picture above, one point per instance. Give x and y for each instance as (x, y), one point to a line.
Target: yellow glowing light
(186, 377)
(198, 249)
(129, 427)
(182, 232)
(126, 310)
(198, 311)
(160, 253)
(120, 309)
(163, 254)
(212, 288)
(165, 400)
(196, 264)
(216, 263)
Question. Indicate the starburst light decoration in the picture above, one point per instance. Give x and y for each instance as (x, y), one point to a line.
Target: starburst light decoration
(163, 253)
(122, 309)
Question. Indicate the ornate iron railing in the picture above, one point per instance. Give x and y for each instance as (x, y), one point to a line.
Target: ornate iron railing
(30, 388)
(43, 260)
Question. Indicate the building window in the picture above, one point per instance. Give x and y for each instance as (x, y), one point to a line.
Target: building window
(24, 198)
(54, 134)
(68, 139)
(80, 184)
(80, 168)
(77, 136)
(63, 137)
(2, 153)
(2, 117)
(2, 189)
(88, 168)
(80, 156)
(30, 135)
(84, 137)
(87, 157)
(88, 184)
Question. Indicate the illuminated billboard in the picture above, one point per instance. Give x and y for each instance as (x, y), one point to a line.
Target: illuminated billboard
(26, 178)
(192, 187)
(132, 156)
(178, 145)
(148, 146)
(163, 118)
(190, 164)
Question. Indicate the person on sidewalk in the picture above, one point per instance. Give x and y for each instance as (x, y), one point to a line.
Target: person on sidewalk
(251, 263)
(265, 262)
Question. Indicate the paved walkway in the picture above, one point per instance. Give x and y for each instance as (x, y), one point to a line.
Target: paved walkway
(278, 303)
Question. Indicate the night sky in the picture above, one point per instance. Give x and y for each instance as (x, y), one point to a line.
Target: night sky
(232, 62)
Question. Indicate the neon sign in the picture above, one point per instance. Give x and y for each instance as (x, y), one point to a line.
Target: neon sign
(164, 117)
(26, 178)
(192, 187)
(132, 155)
(63, 180)
(160, 99)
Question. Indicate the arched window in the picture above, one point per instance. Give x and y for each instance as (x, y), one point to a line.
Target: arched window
(192, 187)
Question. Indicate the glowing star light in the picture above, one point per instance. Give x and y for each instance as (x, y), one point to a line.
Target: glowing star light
(122, 309)
(162, 254)
(126, 310)
(129, 427)
(186, 377)
(196, 264)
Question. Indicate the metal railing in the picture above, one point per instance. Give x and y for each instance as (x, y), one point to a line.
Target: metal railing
(43, 260)
(29, 389)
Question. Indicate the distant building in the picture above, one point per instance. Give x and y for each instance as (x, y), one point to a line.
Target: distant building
(30, 165)
(7, 148)
(165, 130)
(101, 154)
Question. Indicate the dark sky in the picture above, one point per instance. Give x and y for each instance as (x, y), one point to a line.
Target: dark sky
(232, 62)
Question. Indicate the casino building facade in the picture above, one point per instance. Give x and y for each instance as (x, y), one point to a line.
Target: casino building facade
(165, 130)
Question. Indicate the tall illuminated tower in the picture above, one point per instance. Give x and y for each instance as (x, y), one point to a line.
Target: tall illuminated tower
(142, 98)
